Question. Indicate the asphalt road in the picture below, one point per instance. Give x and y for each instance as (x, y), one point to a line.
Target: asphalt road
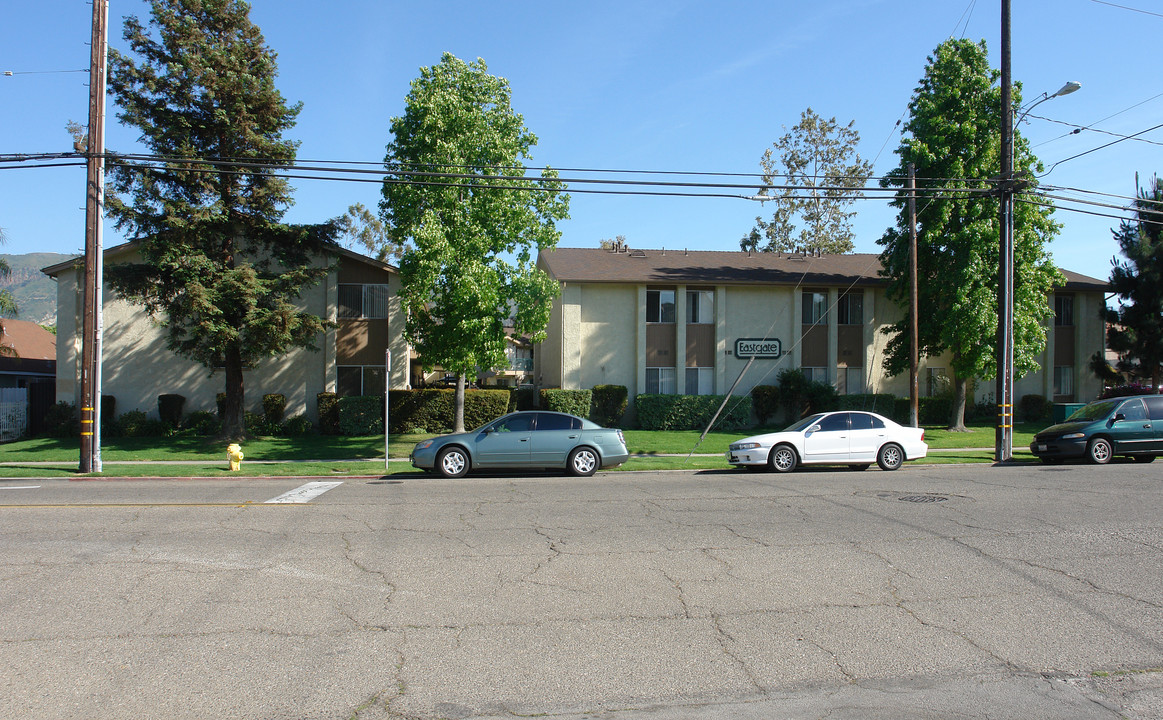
(931, 592)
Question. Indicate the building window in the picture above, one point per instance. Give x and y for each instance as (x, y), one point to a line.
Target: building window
(936, 382)
(700, 381)
(815, 374)
(661, 381)
(660, 306)
(1063, 381)
(853, 379)
(700, 307)
(363, 302)
(355, 380)
(815, 307)
(850, 310)
(1064, 310)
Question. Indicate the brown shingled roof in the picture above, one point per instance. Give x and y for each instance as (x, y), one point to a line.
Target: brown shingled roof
(31, 341)
(696, 267)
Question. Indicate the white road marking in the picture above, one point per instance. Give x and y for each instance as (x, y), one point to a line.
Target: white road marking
(21, 487)
(305, 493)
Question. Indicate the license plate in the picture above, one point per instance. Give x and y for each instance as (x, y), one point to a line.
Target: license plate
(1042, 448)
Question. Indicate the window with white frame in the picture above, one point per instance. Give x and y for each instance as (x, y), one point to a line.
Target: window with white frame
(700, 381)
(363, 302)
(815, 307)
(935, 381)
(700, 307)
(660, 306)
(1063, 310)
(661, 381)
(356, 380)
(815, 374)
(853, 381)
(850, 309)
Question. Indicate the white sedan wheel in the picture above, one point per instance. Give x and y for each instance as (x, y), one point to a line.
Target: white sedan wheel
(783, 459)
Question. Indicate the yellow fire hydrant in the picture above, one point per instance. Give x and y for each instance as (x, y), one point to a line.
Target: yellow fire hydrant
(234, 456)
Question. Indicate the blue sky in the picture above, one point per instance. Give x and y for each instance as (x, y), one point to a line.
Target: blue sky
(628, 85)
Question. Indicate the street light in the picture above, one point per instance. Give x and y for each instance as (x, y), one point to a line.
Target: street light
(1005, 379)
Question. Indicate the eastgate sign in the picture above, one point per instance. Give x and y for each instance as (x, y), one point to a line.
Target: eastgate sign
(758, 347)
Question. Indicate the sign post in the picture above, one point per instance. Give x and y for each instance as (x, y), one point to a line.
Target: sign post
(387, 387)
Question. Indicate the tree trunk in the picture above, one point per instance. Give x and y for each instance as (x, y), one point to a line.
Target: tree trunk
(459, 404)
(232, 418)
(957, 414)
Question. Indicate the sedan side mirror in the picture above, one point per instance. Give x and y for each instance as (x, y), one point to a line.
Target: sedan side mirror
(1119, 416)
(814, 428)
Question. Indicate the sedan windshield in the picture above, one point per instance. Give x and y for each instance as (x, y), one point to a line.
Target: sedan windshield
(1093, 411)
(805, 423)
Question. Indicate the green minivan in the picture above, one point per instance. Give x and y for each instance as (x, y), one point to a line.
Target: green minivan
(1128, 426)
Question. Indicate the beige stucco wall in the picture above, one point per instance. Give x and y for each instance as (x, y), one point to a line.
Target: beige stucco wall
(596, 336)
(607, 335)
(137, 366)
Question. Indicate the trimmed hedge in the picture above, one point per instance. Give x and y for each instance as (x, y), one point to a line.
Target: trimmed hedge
(274, 406)
(1035, 407)
(574, 402)
(691, 412)
(879, 403)
(328, 406)
(765, 399)
(522, 399)
(609, 404)
(431, 410)
(361, 415)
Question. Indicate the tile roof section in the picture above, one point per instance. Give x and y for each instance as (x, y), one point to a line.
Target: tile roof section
(701, 267)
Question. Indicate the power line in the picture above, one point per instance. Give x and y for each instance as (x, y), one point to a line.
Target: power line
(1080, 128)
(1100, 147)
(1124, 7)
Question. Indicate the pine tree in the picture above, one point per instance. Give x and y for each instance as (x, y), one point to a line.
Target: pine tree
(1135, 329)
(217, 267)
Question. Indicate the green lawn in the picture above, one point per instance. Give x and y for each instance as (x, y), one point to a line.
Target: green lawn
(324, 455)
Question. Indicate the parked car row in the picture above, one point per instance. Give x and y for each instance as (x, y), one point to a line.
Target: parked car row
(1104, 429)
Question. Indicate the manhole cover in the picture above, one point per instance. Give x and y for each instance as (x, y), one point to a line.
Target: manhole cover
(922, 498)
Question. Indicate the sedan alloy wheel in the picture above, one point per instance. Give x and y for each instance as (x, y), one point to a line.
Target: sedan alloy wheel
(783, 459)
(583, 461)
(452, 462)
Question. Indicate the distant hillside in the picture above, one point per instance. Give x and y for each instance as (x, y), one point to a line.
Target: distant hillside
(35, 292)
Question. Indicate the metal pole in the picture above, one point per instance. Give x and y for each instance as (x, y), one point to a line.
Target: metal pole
(387, 398)
(914, 325)
(90, 460)
(1004, 435)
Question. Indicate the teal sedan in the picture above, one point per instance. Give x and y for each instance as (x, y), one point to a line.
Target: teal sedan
(532, 439)
(1105, 429)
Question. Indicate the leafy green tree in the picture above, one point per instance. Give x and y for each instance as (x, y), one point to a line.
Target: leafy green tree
(360, 230)
(818, 175)
(952, 137)
(472, 224)
(217, 269)
(1135, 328)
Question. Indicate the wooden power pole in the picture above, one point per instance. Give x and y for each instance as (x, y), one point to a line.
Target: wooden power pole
(94, 203)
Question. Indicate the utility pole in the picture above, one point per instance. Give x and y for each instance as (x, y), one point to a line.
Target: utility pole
(94, 204)
(914, 326)
(1003, 437)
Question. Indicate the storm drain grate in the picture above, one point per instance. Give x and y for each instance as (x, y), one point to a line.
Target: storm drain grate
(922, 498)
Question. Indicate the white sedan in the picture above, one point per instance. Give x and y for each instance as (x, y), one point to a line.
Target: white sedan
(855, 439)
